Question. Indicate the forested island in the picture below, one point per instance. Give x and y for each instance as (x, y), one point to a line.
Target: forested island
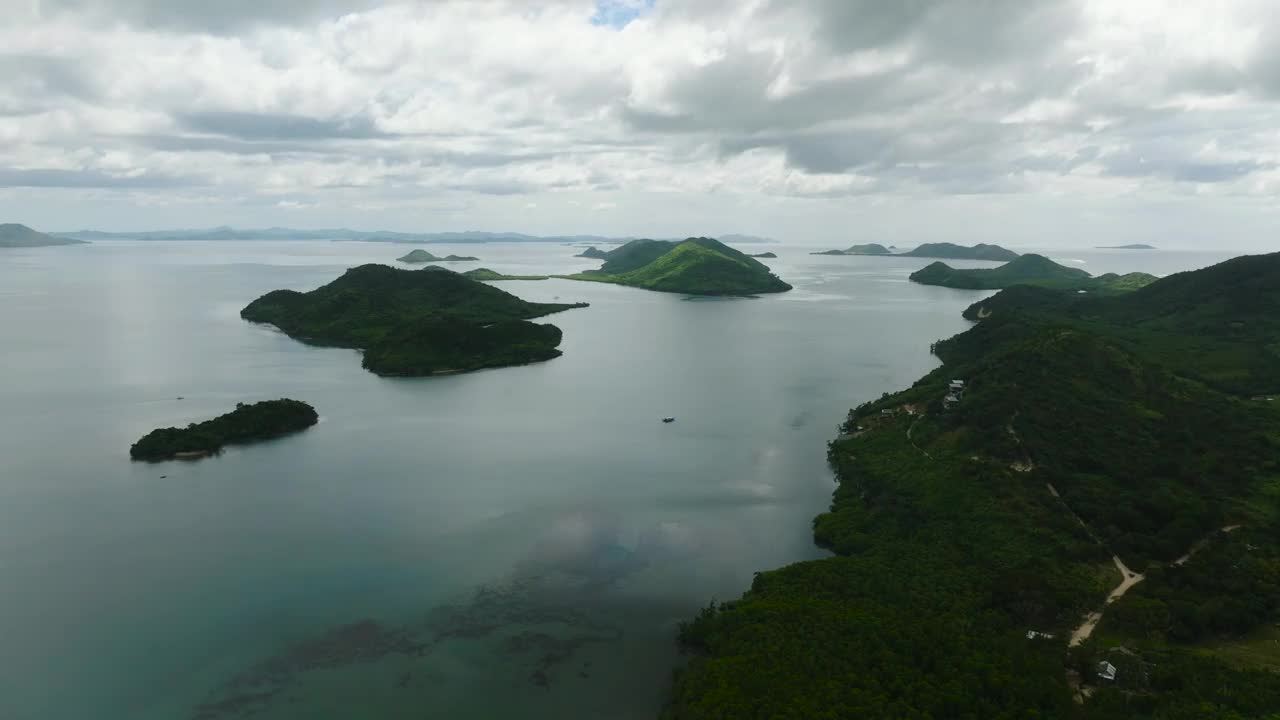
(485, 274)
(594, 253)
(763, 255)
(1070, 448)
(696, 266)
(13, 235)
(422, 256)
(247, 423)
(1029, 269)
(870, 249)
(415, 322)
(944, 251)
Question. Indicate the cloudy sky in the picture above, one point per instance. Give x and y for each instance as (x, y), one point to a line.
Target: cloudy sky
(1028, 122)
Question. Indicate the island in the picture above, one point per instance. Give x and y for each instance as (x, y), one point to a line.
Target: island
(422, 256)
(870, 249)
(1073, 516)
(763, 255)
(1135, 246)
(487, 275)
(1029, 269)
(247, 423)
(594, 253)
(13, 235)
(415, 322)
(951, 251)
(696, 266)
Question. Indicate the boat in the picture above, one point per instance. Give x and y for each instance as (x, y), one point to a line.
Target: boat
(668, 419)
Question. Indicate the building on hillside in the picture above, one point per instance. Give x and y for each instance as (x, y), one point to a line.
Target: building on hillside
(1106, 671)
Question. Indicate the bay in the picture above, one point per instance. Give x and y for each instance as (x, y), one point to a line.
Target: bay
(518, 542)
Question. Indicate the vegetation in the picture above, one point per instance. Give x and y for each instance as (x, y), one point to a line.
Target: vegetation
(951, 251)
(13, 235)
(422, 256)
(960, 523)
(592, 252)
(697, 266)
(871, 249)
(1028, 269)
(764, 255)
(247, 423)
(487, 275)
(424, 322)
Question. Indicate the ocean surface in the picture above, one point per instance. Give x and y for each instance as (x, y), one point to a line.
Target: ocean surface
(519, 542)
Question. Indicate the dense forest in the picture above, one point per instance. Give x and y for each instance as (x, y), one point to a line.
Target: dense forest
(1029, 269)
(247, 423)
(697, 266)
(976, 524)
(415, 322)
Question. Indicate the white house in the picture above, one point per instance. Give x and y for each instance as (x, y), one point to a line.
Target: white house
(1106, 671)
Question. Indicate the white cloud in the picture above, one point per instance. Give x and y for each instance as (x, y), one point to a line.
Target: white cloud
(797, 116)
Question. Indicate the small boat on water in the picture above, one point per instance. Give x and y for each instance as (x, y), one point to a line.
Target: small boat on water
(668, 419)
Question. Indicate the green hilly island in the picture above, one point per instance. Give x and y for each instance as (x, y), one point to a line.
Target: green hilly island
(422, 256)
(247, 423)
(696, 266)
(415, 322)
(951, 251)
(594, 253)
(1069, 448)
(1029, 269)
(488, 275)
(13, 235)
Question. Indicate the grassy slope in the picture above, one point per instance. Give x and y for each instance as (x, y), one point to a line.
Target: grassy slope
(947, 558)
(700, 266)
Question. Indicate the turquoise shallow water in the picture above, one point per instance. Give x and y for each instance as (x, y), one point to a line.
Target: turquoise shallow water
(518, 542)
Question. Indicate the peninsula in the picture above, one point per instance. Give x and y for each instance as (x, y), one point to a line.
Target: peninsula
(1029, 269)
(415, 322)
(247, 423)
(13, 235)
(1075, 516)
(422, 256)
(696, 266)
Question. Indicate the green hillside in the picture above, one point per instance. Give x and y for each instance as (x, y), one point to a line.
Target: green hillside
(423, 322)
(869, 249)
(247, 423)
(697, 266)
(965, 519)
(422, 256)
(13, 235)
(487, 275)
(1027, 270)
(951, 251)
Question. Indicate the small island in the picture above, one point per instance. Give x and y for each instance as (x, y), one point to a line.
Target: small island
(13, 235)
(1028, 269)
(1135, 246)
(415, 322)
(870, 249)
(593, 253)
(487, 275)
(951, 251)
(422, 256)
(763, 255)
(247, 423)
(696, 266)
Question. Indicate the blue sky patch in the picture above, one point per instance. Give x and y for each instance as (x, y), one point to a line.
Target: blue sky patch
(617, 13)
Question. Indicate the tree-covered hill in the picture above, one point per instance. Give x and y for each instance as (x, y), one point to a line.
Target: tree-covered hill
(1028, 269)
(976, 524)
(13, 235)
(696, 266)
(410, 322)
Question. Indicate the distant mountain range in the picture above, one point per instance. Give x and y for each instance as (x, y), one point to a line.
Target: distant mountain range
(279, 233)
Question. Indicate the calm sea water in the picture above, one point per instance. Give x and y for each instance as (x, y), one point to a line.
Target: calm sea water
(518, 542)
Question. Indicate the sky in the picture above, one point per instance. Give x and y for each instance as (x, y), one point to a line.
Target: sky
(1049, 123)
